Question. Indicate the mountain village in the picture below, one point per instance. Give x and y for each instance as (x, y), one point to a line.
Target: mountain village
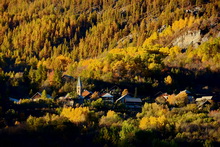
(116, 96)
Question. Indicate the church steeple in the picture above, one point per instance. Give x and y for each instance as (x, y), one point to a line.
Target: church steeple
(79, 87)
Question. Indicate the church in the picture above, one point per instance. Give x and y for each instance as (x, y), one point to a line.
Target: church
(84, 94)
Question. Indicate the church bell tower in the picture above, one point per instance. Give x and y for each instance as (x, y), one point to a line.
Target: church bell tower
(79, 87)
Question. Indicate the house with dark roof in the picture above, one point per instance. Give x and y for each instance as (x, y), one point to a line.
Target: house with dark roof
(129, 101)
(38, 95)
(204, 100)
(67, 78)
(115, 90)
(70, 101)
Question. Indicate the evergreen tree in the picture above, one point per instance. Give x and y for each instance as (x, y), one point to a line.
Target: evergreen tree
(44, 94)
(54, 94)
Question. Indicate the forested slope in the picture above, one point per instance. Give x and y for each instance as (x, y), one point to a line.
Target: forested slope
(137, 41)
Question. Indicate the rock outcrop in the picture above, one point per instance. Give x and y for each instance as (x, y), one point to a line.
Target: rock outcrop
(193, 38)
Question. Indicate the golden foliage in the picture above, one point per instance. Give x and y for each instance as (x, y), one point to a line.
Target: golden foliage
(95, 95)
(76, 115)
(180, 99)
(124, 92)
(150, 40)
(165, 50)
(171, 99)
(154, 66)
(166, 32)
(168, 80)
(152, 109)
(152, 122)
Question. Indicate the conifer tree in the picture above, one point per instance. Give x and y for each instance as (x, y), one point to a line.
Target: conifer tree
(44, 94)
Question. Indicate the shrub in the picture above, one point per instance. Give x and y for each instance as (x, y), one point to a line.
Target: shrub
(97, 104)
(38, 123)
(111, 118)
(108, 136)
(128, 130)
(152, 110)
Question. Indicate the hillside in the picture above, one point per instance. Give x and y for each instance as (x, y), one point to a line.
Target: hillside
(113, 73)
(115, 41)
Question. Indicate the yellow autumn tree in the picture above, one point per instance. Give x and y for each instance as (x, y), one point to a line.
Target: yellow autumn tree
(165, 50)
(174, 51)
(152, 122)
(166, 32)
(95, 95)
(168, 80)
(171, 99)
(76, 115)
(144, 123)
(180, 99)
(177, 25)
(124, 92)
(150, 40)
(152, 109)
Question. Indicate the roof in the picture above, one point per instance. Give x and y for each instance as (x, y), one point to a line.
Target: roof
(122, 97)
(67, 77)
(128, 98)
(80, 97)
(13, 99)
(133, 100)
(186, 91)
(161, 94)
(204, 98)
(61, 98)
(199, 99)
(203, 103)
(114, 87)
(165, 95)
(107, 95)
(38, 93)
(207, 97)
(158, 93)
(79, 83)
(86, 93)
